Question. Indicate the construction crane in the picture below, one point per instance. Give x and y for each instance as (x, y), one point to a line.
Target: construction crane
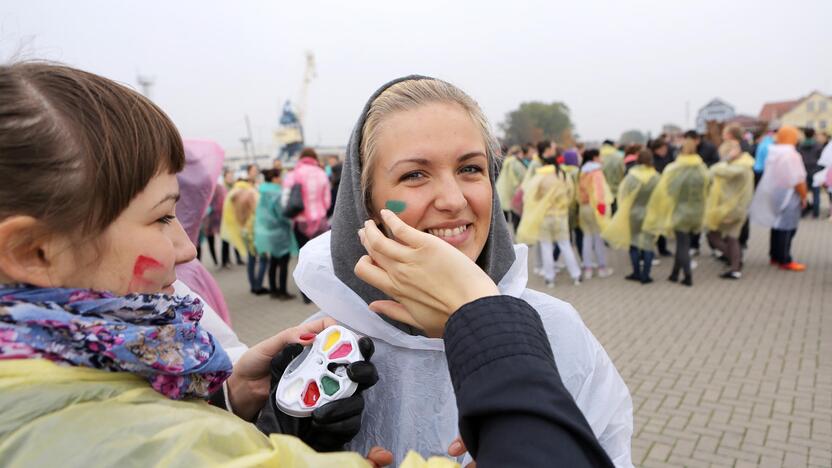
(290, 133)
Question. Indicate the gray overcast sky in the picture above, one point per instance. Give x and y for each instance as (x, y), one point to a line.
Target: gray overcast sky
(616, 64)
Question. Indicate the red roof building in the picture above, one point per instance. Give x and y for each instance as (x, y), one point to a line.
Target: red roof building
(775, 110)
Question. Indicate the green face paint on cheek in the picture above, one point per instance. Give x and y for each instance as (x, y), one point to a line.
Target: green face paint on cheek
(396, 206)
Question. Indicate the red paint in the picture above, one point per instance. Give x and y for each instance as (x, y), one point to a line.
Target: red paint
(341, 351)
(308, 336)
(139, 268)
(311, 395)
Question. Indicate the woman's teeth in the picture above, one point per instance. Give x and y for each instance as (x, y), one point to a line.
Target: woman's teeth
(448, 232)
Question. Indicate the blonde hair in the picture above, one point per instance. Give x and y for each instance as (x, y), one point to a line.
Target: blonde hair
(408, 95)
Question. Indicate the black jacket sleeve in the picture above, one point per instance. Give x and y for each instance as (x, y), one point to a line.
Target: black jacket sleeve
(513, 407)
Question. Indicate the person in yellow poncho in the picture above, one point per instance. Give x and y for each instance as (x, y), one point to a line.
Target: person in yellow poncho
(612, 163)
(594, 200)
(546, 202)
(237, 227)
(677, 206)
(511, 175)
(625, 228)
(726, 209)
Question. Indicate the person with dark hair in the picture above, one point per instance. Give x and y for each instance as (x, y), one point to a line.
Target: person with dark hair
(273, 235)
(810, 150)
(710, 156)
(662, 156)
(545, 224)
(631, 154)
(625, 229)
(316, 195)
(677, 206)
(97, 253)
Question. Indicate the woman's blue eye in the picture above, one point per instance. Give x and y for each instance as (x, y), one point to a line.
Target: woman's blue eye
(166, 219)
(415, 175)
(471, 169)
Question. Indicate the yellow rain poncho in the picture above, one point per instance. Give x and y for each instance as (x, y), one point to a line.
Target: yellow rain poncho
(240, 203)
(678, 202)
(573, 172)
(730, 196)
(624, 230)
(511, 175)
(546, 201)
(593, 191)
(612, 162)
(74, 416)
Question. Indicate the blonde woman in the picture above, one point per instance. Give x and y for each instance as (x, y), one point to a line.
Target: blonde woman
(423, 146)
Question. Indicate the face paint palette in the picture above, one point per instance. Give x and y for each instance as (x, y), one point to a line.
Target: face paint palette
(319, 374)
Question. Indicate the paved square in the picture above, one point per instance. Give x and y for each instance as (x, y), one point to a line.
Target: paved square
(727, 373)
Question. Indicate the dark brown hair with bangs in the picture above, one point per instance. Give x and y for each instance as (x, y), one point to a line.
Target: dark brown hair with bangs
(76, 148)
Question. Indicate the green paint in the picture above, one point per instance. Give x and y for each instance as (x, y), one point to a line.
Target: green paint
(330, 385)
(396, 206)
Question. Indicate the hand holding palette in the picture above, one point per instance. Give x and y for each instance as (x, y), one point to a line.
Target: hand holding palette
(319, 374)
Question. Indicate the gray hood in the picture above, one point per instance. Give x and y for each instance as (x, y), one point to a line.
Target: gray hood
(350, 213)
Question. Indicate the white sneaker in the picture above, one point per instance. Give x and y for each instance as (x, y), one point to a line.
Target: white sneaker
(604, 272)
(539, 272)
(587, 274)
(693, 264)
(656, 262)
(576, 281)
(550, 284)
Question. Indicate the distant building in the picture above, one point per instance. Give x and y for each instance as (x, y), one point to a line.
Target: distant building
(717, 110)
(773, 111)
(813, 111)
(747, 123)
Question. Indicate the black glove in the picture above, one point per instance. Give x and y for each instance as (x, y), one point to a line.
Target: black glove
(332, 425)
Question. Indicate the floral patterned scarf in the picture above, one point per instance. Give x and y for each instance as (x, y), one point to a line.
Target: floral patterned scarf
(155, 336)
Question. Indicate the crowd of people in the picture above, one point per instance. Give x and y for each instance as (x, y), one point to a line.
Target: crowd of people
(635, 197)
(249, 212)
(115, 341)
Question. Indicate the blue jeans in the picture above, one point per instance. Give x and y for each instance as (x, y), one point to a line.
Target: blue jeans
(255, 279)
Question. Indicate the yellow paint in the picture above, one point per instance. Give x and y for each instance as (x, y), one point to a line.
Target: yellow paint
(332, 339)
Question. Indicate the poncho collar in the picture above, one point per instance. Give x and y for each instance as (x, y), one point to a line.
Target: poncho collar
(156, 337)
(350, 213)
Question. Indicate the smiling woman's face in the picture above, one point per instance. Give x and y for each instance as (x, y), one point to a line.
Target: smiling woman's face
(434, 159)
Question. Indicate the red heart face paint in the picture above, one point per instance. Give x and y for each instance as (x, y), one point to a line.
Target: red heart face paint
(144, 265)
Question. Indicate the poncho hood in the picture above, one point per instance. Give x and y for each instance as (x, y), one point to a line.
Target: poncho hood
(351, 213)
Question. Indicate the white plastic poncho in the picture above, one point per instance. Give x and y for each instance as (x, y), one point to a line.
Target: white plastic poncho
(413, 405)
(776, 203)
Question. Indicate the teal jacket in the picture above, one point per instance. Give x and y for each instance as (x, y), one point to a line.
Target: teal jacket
(272, 231)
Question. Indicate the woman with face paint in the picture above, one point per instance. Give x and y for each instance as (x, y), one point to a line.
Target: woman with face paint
(425, 145)
(99, 362)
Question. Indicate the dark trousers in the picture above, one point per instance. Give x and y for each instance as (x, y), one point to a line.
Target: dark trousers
(274, 264)
(730, 247)
(211, 240)
(682, 260)
(781, 245)
(579, 241)
(661, 245)
(815, 201)
(256, 269)
(512, 218)
(225, 252)
(642, 261)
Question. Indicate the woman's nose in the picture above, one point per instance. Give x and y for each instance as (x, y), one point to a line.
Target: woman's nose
(184, 248)
(449, 196)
